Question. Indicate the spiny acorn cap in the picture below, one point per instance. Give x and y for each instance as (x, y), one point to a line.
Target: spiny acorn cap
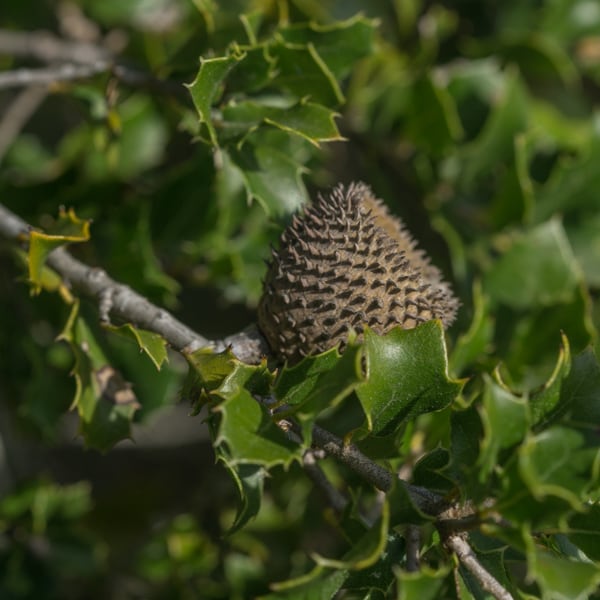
(346, 262)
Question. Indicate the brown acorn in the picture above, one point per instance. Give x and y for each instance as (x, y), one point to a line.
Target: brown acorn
(344, 263)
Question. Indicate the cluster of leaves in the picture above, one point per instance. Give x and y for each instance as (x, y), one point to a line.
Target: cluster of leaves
(485, 112)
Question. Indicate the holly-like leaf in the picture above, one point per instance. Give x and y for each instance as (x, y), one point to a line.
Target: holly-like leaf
(312, 122)
(320, 583)
(556, 463)
(249, 480)
(560, 577)
(271, 177)
(584, 531)
(472, 344)
(340, 44)
(207, 86)
(425, 584)
(318, 383)
(302, 72)
(545, 403)
(505, 421)
(367, 551)
(538, 269)
(152, 344)
(407, 375)
(68, 228)
(105, 402)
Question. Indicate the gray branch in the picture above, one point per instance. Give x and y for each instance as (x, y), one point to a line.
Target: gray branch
(49, 75)
(467, 557)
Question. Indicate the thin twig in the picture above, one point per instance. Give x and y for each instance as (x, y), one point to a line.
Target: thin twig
(467, 557)
(334, 497)
(49, 75)
(18, 113)
(413, 545)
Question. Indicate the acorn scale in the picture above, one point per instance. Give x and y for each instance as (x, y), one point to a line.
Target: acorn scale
(343, 264)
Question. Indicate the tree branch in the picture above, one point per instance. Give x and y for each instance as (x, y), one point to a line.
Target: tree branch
(467, 557)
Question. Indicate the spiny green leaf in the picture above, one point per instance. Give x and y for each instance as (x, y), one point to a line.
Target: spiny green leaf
(207, 86)
(105, 402)
(495, 143)
(475, 341)
(537, 269)
(556, 463)
(68, 228)
(313, 122)
(340, 44)
(561, 578)
(271, 177)
(425, 584)
(545, 403)
(318, 383)
(319, 584)
(152, 344)
(573, 183)
(367, 551)
(505, 421)
(249, 480)
(580, 393)
(304, 74)
(407, 375)
(584, 531)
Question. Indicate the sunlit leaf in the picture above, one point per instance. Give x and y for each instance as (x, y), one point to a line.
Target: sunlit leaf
(505, 421)
(424, 584)
(68, 228)
(407, 375)
(152, 344)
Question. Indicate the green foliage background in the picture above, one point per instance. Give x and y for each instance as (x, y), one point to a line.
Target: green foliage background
(477, 122)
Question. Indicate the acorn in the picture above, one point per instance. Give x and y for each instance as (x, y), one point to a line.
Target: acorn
(343, 264)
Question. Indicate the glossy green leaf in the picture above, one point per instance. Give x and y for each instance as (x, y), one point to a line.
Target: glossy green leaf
(340, 44)
(505, 421)
(584, 531)
(425, 584)
(302, 72)
(105, 402)
(318, 383)
(433, 124)
(573, 183)
(271, 177)
(313, 122)
(476, 341)
(586, 246)
(150, 343)
(320, 584)
(544, 404)
(367, 551)
(537, 269)
(68, 228)
(407, 375)
(495, 143)
(207, 86)
(556, 463)
(580, 393)
(249, 480)
(561, 578)
(245, 427)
